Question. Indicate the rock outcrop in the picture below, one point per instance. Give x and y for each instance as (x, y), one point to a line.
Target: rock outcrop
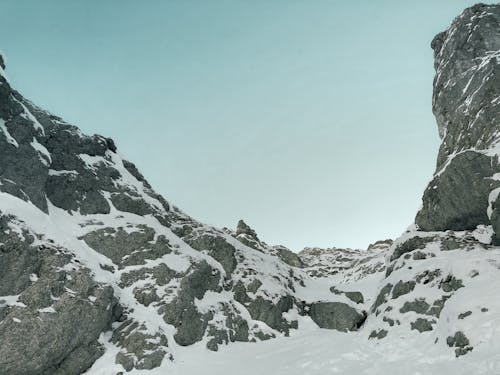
(463, 192)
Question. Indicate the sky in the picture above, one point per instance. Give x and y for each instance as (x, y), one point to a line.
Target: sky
(311, 120)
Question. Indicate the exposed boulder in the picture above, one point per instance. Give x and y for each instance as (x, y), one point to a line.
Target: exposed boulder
(336, 315)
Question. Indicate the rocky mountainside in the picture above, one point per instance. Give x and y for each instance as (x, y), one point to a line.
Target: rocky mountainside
(99, 274)
(84, 239)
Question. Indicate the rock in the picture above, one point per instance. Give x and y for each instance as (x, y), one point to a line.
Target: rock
(388, 320)
(289, 257)
(382, 297)
(466, 180)
(380, 245)
(79, 360)
(125, 202)
(59, 338)
(464, 314)
(465, 87)
(141, 350)
(461, 342)
(126, 247)
(428, 277)
(451, 284)
(218, 248)
(272, 313)
(420, 306)
(422, 325)
(402, 288)
(182, 312)
(243, 228)
(380, 334)
(336, 315)
(356, 297)
(409, 245)
(237, 330)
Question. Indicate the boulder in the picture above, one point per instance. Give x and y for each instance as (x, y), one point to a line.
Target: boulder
(336, 315)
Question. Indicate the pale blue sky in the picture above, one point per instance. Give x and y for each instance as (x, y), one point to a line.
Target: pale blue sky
(309, 119)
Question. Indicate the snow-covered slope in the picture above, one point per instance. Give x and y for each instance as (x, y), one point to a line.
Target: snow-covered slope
(101, 275)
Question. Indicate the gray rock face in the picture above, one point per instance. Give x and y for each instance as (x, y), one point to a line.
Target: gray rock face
(218, 248)
(244, 228)
(457, 199)
(272, 313)
(182, 312)
(142, 350)
(378, 334)
(38, 333)
(336, 315)
(460, 342)
(130, 247)
(467, 110)
(109, 253)
(356, 297)
(422, 325)
(402, 288)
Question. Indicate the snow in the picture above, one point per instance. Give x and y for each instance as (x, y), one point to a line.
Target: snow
(7, 135)
(29, 116)
(92, 162)
(53, 172)
(49, 310)
(43, 152)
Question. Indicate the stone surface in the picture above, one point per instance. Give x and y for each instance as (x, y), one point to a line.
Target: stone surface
(39, 336)
(466, 88)
(113, 265)
(336, 315)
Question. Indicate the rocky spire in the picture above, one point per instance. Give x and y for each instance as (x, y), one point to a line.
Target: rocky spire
(244, 228)
(466, 103)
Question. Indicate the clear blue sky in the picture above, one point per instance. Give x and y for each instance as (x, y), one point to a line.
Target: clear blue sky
(309, 119)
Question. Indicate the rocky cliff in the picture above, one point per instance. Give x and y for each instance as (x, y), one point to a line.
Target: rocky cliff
(100, 274)
(442, 274)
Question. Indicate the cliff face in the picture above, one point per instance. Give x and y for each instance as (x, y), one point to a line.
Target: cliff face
(466, 103)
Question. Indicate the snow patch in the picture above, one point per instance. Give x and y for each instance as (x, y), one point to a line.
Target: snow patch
(10, 139)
